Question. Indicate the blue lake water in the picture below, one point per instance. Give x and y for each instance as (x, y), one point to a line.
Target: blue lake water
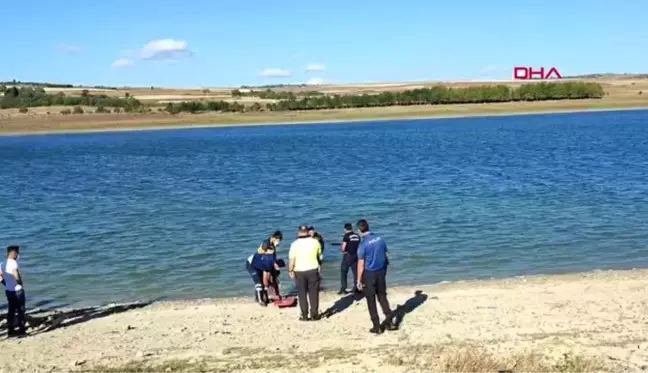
(173, 214)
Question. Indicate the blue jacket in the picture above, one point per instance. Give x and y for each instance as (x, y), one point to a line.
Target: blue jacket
(263, 262)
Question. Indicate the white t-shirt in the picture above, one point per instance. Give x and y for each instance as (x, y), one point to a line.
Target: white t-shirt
(7, 274)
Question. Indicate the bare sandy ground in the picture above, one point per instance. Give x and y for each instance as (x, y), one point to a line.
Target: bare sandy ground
(598, 315)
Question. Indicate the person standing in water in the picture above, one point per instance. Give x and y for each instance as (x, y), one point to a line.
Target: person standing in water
(304, 266)
(349, 249)
(372, 273)
(15, 292)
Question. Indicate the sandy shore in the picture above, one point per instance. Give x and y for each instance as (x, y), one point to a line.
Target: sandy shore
(575, 322)
(14, 124)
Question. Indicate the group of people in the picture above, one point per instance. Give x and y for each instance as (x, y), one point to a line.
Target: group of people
(364, 253)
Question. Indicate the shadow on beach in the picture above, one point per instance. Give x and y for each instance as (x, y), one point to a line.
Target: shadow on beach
(342, 304)
(45, 320)
(410, 305)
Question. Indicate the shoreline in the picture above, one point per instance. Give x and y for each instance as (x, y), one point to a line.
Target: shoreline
(333, 120)
(587, 321)
(443, 284)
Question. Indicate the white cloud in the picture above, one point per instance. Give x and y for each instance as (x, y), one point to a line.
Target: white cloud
(315, 67)
(169, 50)
(489, 69)
(165, 49)
(121, 63)
(275, 73)
(315, 81)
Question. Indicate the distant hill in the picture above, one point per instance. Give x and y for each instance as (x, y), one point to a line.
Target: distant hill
(609, 76)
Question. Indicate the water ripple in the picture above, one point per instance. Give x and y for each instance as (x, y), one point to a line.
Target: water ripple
(173, 214)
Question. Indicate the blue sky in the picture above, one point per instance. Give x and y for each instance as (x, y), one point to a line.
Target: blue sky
(200, 43)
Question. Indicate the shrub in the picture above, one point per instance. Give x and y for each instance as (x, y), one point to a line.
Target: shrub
(78, 110)
(116, 110)
(66, 111)
(101, 109)
(23, 110)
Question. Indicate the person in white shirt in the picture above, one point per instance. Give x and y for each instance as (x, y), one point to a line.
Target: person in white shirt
(15, 292)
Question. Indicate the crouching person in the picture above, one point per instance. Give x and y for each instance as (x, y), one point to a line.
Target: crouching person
(261, 267)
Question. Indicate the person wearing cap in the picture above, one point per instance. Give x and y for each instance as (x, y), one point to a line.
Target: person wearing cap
(260, 266)
(304, 265)
(15, 292)
(372, 273)
(349, 249)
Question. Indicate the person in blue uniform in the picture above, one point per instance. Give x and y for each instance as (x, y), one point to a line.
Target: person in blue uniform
(262, 268)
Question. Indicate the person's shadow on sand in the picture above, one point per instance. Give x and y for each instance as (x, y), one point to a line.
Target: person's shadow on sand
(43, 321)
(410, 305)
(342, 304)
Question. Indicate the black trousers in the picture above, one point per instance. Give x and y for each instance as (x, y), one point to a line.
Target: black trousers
(348, 262)
(308, 283)
(375, 286)
(16, 311)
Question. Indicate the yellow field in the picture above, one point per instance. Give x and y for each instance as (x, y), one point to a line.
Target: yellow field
(621, 93)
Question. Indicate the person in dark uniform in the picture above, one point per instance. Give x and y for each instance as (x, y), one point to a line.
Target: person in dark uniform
(372, 273)
(261, 268)
(349, 249)
(271, 243)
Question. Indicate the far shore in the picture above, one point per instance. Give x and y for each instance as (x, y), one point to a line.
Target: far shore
(39, 124)
(579, 322)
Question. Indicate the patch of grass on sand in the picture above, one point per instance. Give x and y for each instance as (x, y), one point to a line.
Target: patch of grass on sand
(412, 358)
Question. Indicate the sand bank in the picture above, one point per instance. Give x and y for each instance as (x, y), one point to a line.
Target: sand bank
(575, 322)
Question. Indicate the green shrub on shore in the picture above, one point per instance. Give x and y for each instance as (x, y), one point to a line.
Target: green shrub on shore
(32, 97)
(66, 111)
(437, 95)
(78, 110)
(23, 110)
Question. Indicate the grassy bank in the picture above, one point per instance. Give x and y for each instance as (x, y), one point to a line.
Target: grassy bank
(35, 122)
(394, 358)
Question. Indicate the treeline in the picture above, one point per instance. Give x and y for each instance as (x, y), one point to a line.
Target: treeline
(437, 95)
(33, 97)
(52, 85)
(268, 86)
(274, 95)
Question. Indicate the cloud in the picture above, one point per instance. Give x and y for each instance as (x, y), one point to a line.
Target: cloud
(121, 63)
(315, 67)
(170, 50)
(489, 69)
(67, 48)
(165, 49)
(275, 73)
(315, 81)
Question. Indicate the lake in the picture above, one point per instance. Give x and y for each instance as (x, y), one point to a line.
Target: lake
(173, 214)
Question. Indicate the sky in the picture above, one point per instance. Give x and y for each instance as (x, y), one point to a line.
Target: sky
(220, 43)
